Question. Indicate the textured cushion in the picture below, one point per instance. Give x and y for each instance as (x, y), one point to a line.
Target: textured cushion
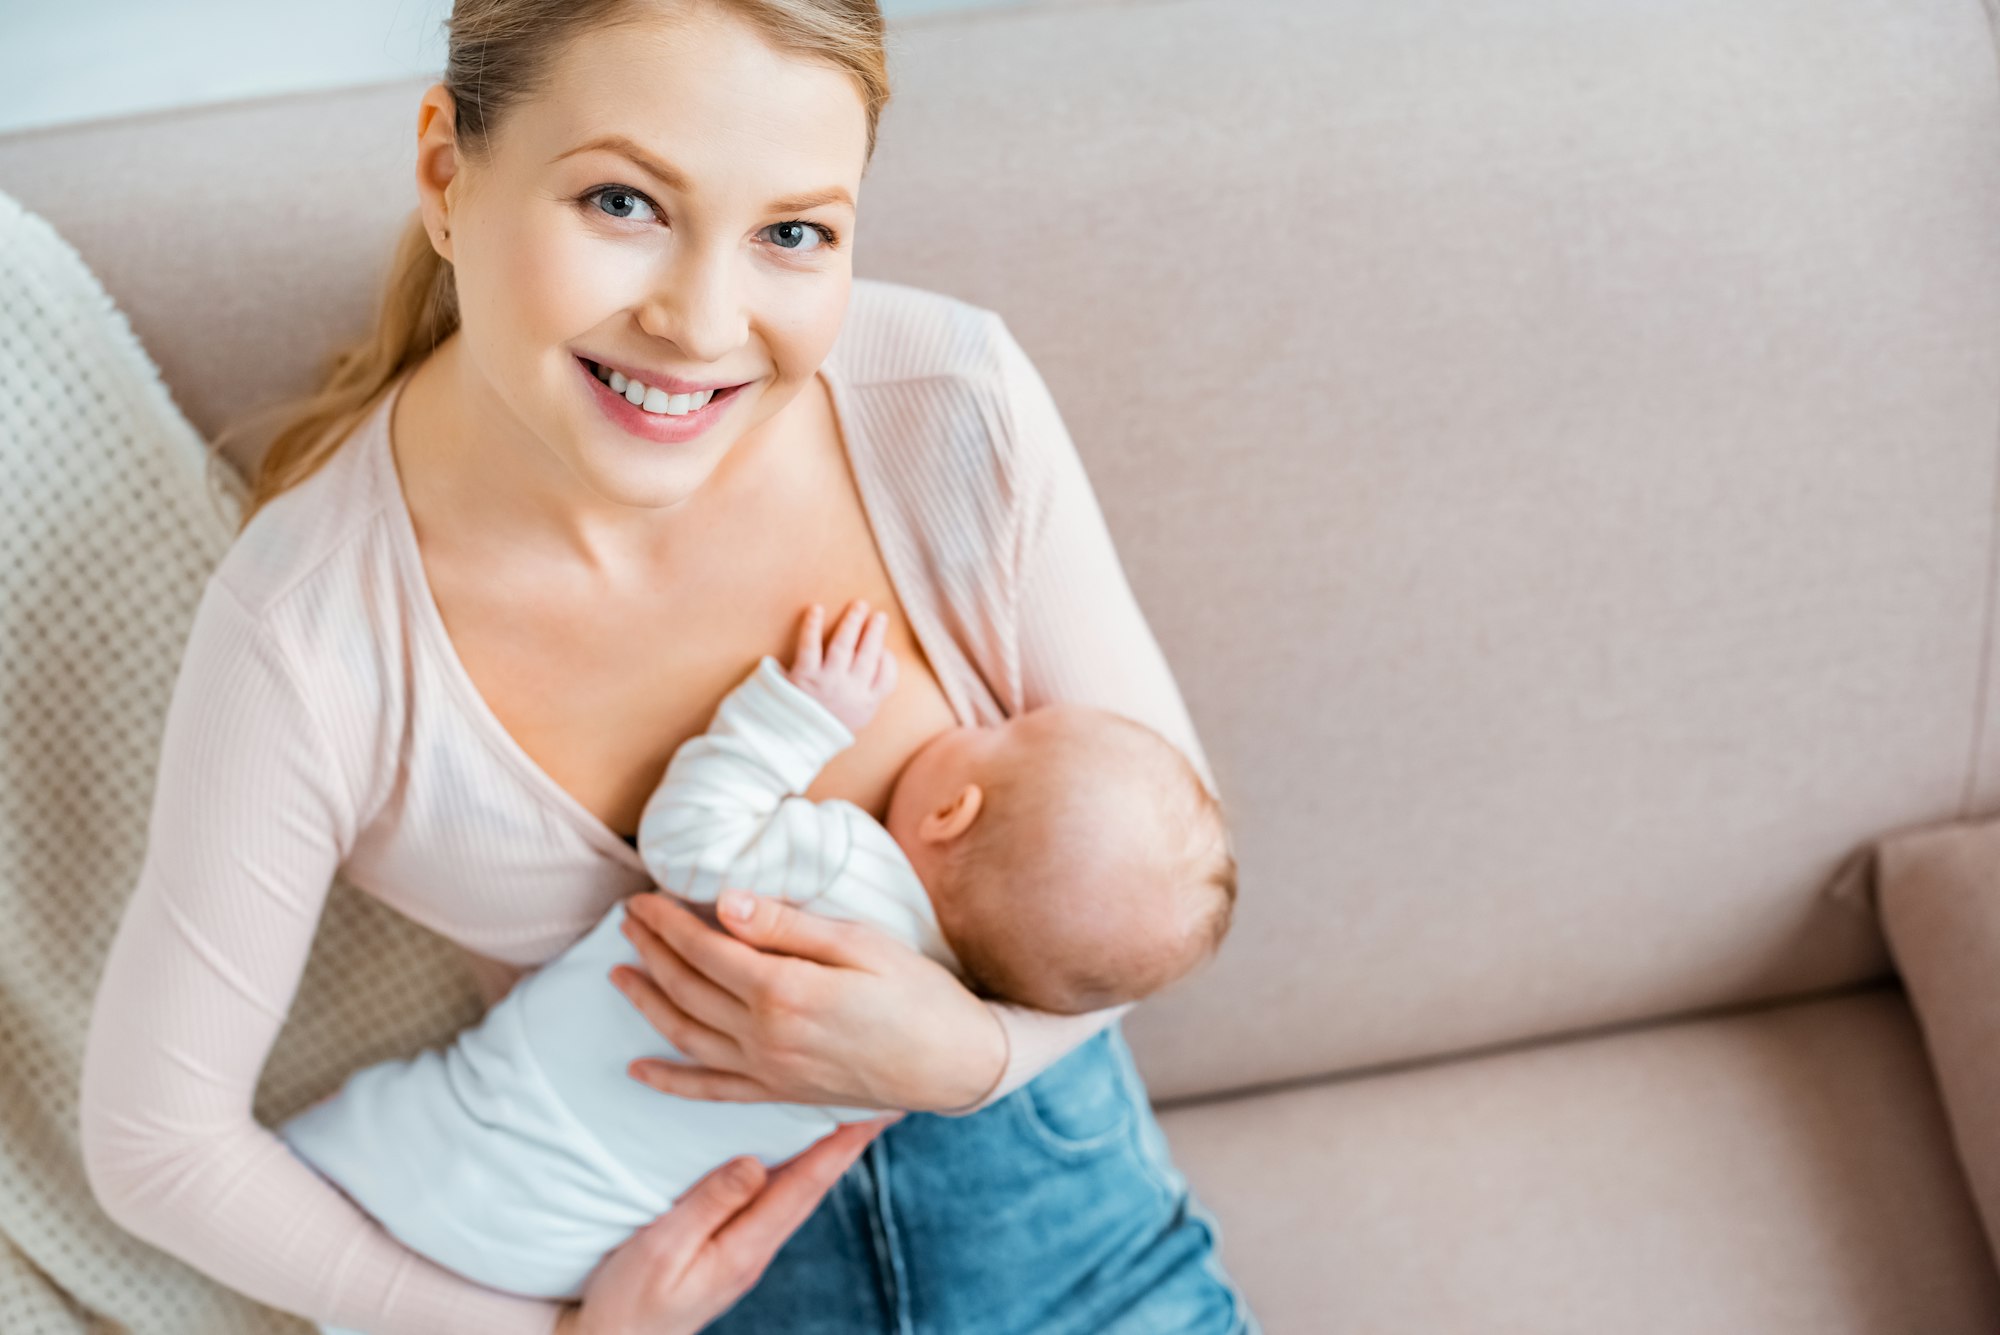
(109, 526)
(1938, 893)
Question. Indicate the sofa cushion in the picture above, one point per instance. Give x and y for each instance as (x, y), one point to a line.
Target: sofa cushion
(1781, 1170)
(1938, 893)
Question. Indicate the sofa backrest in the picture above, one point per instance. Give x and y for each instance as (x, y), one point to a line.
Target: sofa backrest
(1555, 445)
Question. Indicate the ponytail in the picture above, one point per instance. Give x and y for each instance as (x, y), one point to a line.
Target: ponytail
(417, 309)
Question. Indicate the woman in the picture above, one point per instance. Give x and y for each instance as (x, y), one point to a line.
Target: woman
(479, 598)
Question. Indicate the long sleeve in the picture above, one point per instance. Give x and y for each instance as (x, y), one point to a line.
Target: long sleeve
(727, 811)
(251, 818)
(1082, 639)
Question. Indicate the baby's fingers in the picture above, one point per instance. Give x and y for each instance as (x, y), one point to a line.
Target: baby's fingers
(805, 656)
(871, 642)
(840, 650)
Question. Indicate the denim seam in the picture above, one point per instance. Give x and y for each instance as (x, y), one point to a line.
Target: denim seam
(889, 1266)
(1055, 1142)
(1156, 1158)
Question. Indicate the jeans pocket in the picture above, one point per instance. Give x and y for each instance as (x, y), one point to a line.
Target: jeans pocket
(1080, 1104)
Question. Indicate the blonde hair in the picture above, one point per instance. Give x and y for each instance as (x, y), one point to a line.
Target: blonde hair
(1109, 781)
(500, 54)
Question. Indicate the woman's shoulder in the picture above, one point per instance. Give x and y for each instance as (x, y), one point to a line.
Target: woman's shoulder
(314, 530)
(302, 622)
(952, 393)
(896, 332)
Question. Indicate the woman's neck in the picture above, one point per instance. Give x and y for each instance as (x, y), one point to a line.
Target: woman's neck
(470, 467)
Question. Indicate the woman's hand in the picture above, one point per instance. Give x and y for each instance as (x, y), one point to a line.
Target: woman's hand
(804, 1009)
(684, 1269)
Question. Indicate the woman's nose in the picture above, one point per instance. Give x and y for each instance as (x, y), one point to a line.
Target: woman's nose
(696, 305)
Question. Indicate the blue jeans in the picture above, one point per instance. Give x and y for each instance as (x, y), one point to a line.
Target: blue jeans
(1056, 1211)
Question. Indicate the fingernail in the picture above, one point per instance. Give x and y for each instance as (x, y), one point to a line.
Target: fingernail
(736, 904)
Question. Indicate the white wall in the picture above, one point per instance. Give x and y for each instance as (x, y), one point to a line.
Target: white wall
(63, 62)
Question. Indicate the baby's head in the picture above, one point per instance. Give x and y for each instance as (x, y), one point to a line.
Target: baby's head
(1074, 856)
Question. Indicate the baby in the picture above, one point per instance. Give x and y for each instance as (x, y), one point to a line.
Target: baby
(1067, 859)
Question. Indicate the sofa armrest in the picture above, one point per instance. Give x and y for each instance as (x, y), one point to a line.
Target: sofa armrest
(1938, 896)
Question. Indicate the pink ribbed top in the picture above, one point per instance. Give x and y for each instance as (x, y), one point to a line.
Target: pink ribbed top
(321, 722)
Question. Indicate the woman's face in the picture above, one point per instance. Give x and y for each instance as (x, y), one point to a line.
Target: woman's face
(712, 246)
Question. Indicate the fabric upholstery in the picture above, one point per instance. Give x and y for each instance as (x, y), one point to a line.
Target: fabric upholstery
(1776, 1168)
(1938, 890)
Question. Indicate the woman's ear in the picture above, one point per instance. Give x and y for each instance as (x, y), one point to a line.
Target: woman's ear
(437, 163)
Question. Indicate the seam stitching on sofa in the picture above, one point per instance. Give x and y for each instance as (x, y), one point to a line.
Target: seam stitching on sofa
(1886, 979)
(1980, 713)
(1969, 797)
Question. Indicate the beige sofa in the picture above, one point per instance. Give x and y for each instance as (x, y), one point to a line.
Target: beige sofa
(1556, 446)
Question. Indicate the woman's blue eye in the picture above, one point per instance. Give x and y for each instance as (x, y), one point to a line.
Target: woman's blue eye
(801, 229)
(793, 234)
(618, 192)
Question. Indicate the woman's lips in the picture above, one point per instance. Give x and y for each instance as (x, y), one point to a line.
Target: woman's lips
(658, 427)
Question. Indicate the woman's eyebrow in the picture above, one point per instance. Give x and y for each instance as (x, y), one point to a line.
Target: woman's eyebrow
(677, 180)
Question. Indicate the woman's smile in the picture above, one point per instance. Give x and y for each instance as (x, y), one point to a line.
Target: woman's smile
(651, 413)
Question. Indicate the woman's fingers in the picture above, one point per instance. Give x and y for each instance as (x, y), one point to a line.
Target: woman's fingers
(701, 1082)
(774, 925)
(695, 995)
(741, 970)
(704, 1208)
(824, 1161)
(791, 1193)
(665, 1277)
(694, 1039)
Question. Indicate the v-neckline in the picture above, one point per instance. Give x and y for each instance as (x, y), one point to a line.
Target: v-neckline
(430, 618)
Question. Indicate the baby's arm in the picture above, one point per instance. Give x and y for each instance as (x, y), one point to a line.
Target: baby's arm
(727, 811)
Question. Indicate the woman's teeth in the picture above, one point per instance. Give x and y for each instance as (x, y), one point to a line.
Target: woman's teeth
(653, 400)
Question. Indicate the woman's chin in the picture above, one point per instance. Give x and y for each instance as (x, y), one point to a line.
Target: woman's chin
(648, 484)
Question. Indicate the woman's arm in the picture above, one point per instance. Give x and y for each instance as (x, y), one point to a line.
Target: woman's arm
(250, 820)
(1082, 639)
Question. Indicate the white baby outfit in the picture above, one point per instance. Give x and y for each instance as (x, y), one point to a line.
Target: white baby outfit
(522, 1153)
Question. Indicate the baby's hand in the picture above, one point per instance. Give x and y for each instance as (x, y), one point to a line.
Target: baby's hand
(855, 674)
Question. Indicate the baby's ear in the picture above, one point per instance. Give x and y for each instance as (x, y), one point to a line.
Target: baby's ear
(951, 821)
